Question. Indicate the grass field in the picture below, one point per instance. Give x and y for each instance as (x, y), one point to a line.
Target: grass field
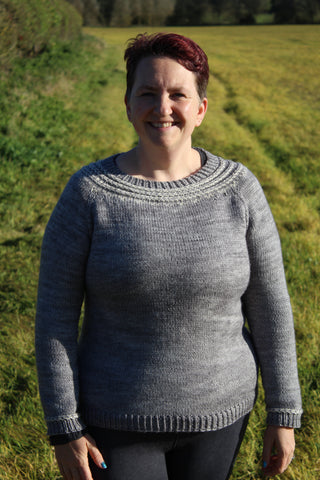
(65, 109)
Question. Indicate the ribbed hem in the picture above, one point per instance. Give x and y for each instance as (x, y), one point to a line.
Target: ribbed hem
(285, 418)
(64, 425)
(168, 423)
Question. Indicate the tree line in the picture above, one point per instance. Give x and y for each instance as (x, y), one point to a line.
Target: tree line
(124, 13)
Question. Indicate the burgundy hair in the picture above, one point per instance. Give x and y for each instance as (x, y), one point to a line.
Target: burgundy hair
(182, 49)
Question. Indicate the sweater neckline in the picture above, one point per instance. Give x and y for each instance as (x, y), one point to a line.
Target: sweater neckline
(210, 166)
(215, 175)
(163, 184)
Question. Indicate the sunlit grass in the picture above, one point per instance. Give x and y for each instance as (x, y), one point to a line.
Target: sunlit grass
(63, 111)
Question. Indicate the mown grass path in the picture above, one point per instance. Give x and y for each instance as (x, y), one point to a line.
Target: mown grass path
(65, 109)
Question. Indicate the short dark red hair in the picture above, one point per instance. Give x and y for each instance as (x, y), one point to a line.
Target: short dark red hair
(182, 49)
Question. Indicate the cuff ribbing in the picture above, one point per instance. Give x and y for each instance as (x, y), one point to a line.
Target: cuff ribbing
(65, 425)
(285, 418)
(66, 438)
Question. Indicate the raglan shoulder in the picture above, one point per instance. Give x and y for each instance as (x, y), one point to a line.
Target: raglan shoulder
(251, 194)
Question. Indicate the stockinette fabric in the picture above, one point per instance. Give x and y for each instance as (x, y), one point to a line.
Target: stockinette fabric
(185, 296)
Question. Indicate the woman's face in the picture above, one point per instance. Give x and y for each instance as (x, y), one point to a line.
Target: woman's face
(164, 106)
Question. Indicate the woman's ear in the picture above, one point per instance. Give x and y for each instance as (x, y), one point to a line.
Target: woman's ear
(202, 111)
(127, 103)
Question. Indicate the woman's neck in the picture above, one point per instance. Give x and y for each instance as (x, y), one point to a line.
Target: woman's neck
(159, 166)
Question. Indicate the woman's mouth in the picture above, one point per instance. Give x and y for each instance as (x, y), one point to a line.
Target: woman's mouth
(162, 124)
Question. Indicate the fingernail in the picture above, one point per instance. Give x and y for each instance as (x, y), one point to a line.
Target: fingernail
(264, 464)
(103, 465)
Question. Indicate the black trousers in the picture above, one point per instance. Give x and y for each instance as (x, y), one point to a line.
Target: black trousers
(168, 456)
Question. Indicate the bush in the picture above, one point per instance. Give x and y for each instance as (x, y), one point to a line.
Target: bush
(28, 27)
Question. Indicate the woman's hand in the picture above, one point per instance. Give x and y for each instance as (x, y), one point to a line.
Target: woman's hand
(279, 440)
(73, 461)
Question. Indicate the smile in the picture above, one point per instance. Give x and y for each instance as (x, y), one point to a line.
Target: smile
(162, 125)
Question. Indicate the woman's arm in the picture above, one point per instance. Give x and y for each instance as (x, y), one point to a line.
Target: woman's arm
(64, 255)
(268, 311)
(267, 307)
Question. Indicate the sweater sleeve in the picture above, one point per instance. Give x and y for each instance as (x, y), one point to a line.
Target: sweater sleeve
(64, 254)
(268, 311)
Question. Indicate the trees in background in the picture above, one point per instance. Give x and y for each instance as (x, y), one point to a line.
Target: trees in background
(106, 8)
(199, 12)
(189, 12)
(89, 10)
(139, 12)
(296, 11)
(123, 13)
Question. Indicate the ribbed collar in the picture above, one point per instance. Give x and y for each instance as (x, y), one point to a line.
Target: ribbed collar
(214, 175)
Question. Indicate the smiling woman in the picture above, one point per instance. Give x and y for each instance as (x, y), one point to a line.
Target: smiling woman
(166, 99)
(164, 108)
(174, 249)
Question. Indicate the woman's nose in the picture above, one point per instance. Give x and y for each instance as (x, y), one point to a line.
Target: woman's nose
(163, 105)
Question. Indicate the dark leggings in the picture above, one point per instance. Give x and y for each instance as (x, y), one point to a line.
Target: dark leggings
(168, 456)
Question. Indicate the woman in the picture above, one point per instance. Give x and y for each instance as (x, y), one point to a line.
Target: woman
(173, 249)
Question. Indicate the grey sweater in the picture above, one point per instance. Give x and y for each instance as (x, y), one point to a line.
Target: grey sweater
(185, 296)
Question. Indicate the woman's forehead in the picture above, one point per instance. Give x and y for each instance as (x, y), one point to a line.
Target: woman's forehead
(153, 71)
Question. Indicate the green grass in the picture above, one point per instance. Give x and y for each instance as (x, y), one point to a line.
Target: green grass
(65, 108)
(28, 27)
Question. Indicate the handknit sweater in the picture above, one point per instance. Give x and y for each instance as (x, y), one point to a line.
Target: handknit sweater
(185, 297)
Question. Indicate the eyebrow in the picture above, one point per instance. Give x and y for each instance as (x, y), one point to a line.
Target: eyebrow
(154, 88)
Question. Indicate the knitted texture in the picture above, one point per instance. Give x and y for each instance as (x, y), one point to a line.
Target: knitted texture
(170, 272)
